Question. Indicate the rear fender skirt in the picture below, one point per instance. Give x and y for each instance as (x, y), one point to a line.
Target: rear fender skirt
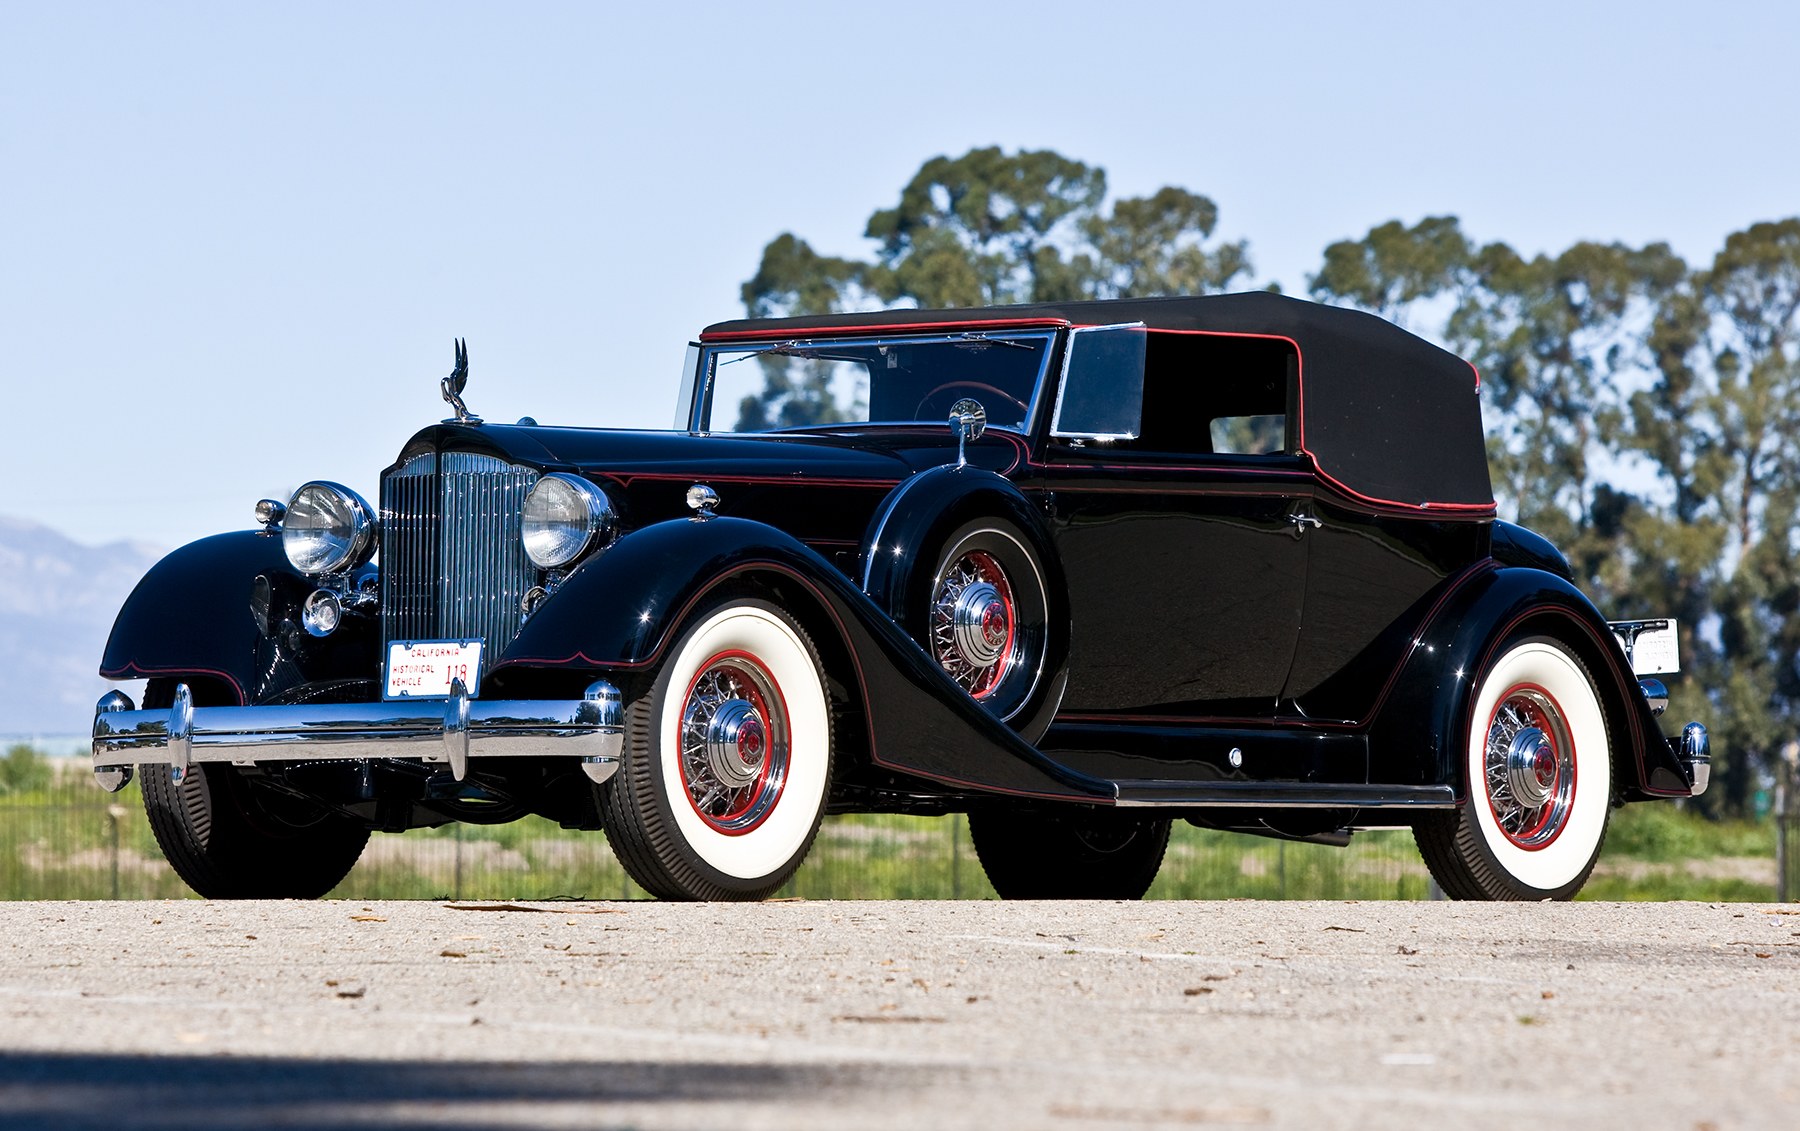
(1417, 736)
(619, 612)
(191, 617)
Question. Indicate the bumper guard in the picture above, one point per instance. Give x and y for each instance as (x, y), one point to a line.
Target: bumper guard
(1696, 752)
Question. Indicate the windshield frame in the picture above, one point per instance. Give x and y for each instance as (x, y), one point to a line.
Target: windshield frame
(1046, 339)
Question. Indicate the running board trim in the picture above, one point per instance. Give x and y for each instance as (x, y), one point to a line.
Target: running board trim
(1280, 795)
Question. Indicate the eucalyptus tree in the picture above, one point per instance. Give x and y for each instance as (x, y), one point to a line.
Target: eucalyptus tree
(988, 228)
(1743, 430)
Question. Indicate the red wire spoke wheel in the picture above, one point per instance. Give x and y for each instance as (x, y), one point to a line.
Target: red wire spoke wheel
(974, 622)
(986, 613)
(734, 742)
(1529, 769)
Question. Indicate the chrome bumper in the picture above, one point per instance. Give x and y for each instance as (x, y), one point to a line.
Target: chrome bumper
(439, 730)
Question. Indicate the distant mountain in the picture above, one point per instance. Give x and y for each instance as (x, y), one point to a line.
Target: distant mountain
(57, 603)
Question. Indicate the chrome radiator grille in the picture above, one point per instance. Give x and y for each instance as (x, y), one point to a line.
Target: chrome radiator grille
(452, 566)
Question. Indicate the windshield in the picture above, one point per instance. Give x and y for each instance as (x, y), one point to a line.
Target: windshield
(894, 380)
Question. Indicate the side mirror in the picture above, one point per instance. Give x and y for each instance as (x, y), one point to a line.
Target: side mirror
(968, 421)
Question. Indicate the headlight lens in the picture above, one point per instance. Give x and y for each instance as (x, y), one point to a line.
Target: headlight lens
(565, 516)
(328, 529)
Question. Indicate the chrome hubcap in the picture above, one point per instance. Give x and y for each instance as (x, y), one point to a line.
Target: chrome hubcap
(736, 742)
(1530, 769)
(981, 625)
(1531, 766)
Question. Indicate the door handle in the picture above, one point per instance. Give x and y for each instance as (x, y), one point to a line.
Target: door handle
(1301, 521)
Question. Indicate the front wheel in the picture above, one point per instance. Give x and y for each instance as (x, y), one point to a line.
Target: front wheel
(228, 840)
(1075, 855)
(727, 760)
(1539, 774)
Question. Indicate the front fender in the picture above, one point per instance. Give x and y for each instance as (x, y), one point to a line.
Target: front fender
(623, 609)
(620, 609)
(1416, 736)
(191, 616)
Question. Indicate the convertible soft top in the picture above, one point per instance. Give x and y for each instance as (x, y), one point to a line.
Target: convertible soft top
(1384, 414)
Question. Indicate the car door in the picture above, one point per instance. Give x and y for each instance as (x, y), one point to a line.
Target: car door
(1186, 580)
(1372, 579)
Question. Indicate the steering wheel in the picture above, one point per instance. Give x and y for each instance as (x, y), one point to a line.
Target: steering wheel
(962, 389)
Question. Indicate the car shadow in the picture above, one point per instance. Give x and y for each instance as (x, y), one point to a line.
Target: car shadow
(86, 1090)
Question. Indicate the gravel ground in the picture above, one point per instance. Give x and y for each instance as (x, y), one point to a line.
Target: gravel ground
(889, 1015)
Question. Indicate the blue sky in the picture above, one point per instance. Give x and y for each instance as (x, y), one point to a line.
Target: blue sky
(239, 238)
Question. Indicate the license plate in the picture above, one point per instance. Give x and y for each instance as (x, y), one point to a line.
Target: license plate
(1653, 645)
(423, 669)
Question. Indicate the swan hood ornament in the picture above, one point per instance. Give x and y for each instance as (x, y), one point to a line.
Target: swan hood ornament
(453, 385)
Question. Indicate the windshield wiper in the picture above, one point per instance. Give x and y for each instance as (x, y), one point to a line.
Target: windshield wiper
(797, 349)
(982, 340)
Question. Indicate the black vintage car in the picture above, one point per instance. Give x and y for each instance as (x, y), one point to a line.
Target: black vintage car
(1076, 570)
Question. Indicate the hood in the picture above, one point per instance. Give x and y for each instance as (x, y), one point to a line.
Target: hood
(884, 455)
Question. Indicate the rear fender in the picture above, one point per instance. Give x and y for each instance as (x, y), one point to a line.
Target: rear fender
(1417, 734)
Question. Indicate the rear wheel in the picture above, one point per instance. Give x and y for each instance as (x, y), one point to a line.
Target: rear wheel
(727, 759)
(1074, 855)
(1538, 768)
(229, 840)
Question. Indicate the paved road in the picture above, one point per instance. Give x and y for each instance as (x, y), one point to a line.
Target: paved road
(890, 1015)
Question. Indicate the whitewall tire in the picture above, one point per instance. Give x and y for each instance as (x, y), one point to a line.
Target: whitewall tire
(727, 759)
(1538, 764)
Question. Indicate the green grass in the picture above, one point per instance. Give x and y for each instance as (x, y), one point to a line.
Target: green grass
(62, 838)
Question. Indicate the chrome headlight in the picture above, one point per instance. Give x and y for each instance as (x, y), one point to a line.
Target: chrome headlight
(328, 529)
(565, 517)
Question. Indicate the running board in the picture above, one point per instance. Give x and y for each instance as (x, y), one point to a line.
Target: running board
(1281, 795)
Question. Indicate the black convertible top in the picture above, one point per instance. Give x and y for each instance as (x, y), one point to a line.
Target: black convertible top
(1384, 414)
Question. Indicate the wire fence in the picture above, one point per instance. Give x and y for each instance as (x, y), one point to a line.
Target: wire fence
(61, 837)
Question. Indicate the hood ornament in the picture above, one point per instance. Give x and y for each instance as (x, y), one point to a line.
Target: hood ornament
(453, 385)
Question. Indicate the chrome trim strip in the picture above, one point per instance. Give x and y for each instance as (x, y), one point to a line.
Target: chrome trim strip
(1281, 795)
(591, 729)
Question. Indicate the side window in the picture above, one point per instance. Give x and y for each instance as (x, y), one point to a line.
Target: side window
(1101, 394)
(1249, 435)
(1218, 394)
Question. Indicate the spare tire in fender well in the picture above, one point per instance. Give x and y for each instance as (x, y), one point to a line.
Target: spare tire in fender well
(903, 541)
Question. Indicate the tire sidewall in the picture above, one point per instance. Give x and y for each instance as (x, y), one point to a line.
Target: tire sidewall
(751, 859)
(1559, 867)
